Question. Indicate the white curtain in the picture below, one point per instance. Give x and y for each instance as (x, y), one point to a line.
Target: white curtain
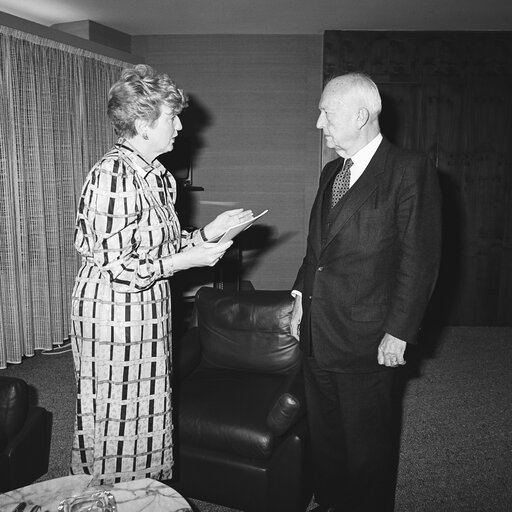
(53, 127)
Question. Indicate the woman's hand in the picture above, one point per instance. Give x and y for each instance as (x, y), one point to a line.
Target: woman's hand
(205, 255)
(224, 221)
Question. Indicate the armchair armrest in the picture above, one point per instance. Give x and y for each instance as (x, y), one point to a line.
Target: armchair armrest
(188, 354)
(289, 405)
(26, 457)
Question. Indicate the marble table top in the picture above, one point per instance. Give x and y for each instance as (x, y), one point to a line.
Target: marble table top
(139, 495)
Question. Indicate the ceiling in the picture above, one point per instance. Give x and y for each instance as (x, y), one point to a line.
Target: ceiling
(137, 17)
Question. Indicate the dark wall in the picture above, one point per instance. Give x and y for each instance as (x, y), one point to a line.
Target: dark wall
(450, 95)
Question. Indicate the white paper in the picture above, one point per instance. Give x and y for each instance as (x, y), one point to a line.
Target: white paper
(235, 230)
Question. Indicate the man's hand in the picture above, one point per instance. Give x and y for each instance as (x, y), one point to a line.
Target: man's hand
(296, 317)
(391, 351)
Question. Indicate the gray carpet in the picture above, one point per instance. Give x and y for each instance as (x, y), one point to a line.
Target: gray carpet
(456, 442)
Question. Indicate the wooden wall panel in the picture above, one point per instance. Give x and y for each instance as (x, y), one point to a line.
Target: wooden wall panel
(449, 94)
(251, 123)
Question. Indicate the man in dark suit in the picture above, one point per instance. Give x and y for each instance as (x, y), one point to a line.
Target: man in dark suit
(370, 267)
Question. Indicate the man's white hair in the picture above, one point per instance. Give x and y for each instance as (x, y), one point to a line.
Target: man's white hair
(364, 87)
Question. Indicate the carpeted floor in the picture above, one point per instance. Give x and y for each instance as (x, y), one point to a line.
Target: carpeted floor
(456, 442)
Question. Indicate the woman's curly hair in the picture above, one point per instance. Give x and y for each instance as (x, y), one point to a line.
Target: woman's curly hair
(140, 93)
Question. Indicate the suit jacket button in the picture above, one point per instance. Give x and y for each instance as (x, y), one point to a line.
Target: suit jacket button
(320, 269)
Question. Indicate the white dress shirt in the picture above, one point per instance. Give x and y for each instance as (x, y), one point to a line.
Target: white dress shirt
(362, 158)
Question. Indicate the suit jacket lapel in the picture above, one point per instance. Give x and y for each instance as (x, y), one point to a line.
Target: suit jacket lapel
(359, 192)
(316, 229)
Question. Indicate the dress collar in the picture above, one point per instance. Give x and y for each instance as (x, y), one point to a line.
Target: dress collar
(139, 163)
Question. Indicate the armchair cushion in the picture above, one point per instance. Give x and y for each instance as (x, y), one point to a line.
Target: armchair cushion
(236, 423)
(250, 333)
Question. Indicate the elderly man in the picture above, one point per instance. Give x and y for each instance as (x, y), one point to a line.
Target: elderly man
(370, 267)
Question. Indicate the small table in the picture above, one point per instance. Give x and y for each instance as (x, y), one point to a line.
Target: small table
(146, 495)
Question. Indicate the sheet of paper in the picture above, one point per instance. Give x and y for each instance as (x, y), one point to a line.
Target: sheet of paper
(235, 230)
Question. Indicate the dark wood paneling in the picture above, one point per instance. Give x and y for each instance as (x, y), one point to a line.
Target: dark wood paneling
(449, 94)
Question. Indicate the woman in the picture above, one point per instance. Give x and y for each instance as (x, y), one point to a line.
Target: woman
(130, 240)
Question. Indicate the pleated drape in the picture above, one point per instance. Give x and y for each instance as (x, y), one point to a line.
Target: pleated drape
(53, 127)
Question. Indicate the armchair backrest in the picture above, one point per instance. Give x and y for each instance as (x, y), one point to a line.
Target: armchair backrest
(246, 330)
(13, 407)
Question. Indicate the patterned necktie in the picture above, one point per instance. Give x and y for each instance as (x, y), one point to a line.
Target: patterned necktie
(341, 183)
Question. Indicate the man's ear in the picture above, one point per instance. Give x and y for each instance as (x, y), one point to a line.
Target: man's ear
(362, 117)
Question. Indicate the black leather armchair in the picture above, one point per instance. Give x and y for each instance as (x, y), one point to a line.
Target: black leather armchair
(25, 433)
(241, 432)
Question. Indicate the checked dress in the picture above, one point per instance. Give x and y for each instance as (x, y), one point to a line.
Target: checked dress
(126, 232)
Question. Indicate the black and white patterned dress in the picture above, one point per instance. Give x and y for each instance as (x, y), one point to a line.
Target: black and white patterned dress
(126, 232)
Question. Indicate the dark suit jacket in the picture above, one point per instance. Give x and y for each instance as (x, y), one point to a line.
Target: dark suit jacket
(372, 265)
